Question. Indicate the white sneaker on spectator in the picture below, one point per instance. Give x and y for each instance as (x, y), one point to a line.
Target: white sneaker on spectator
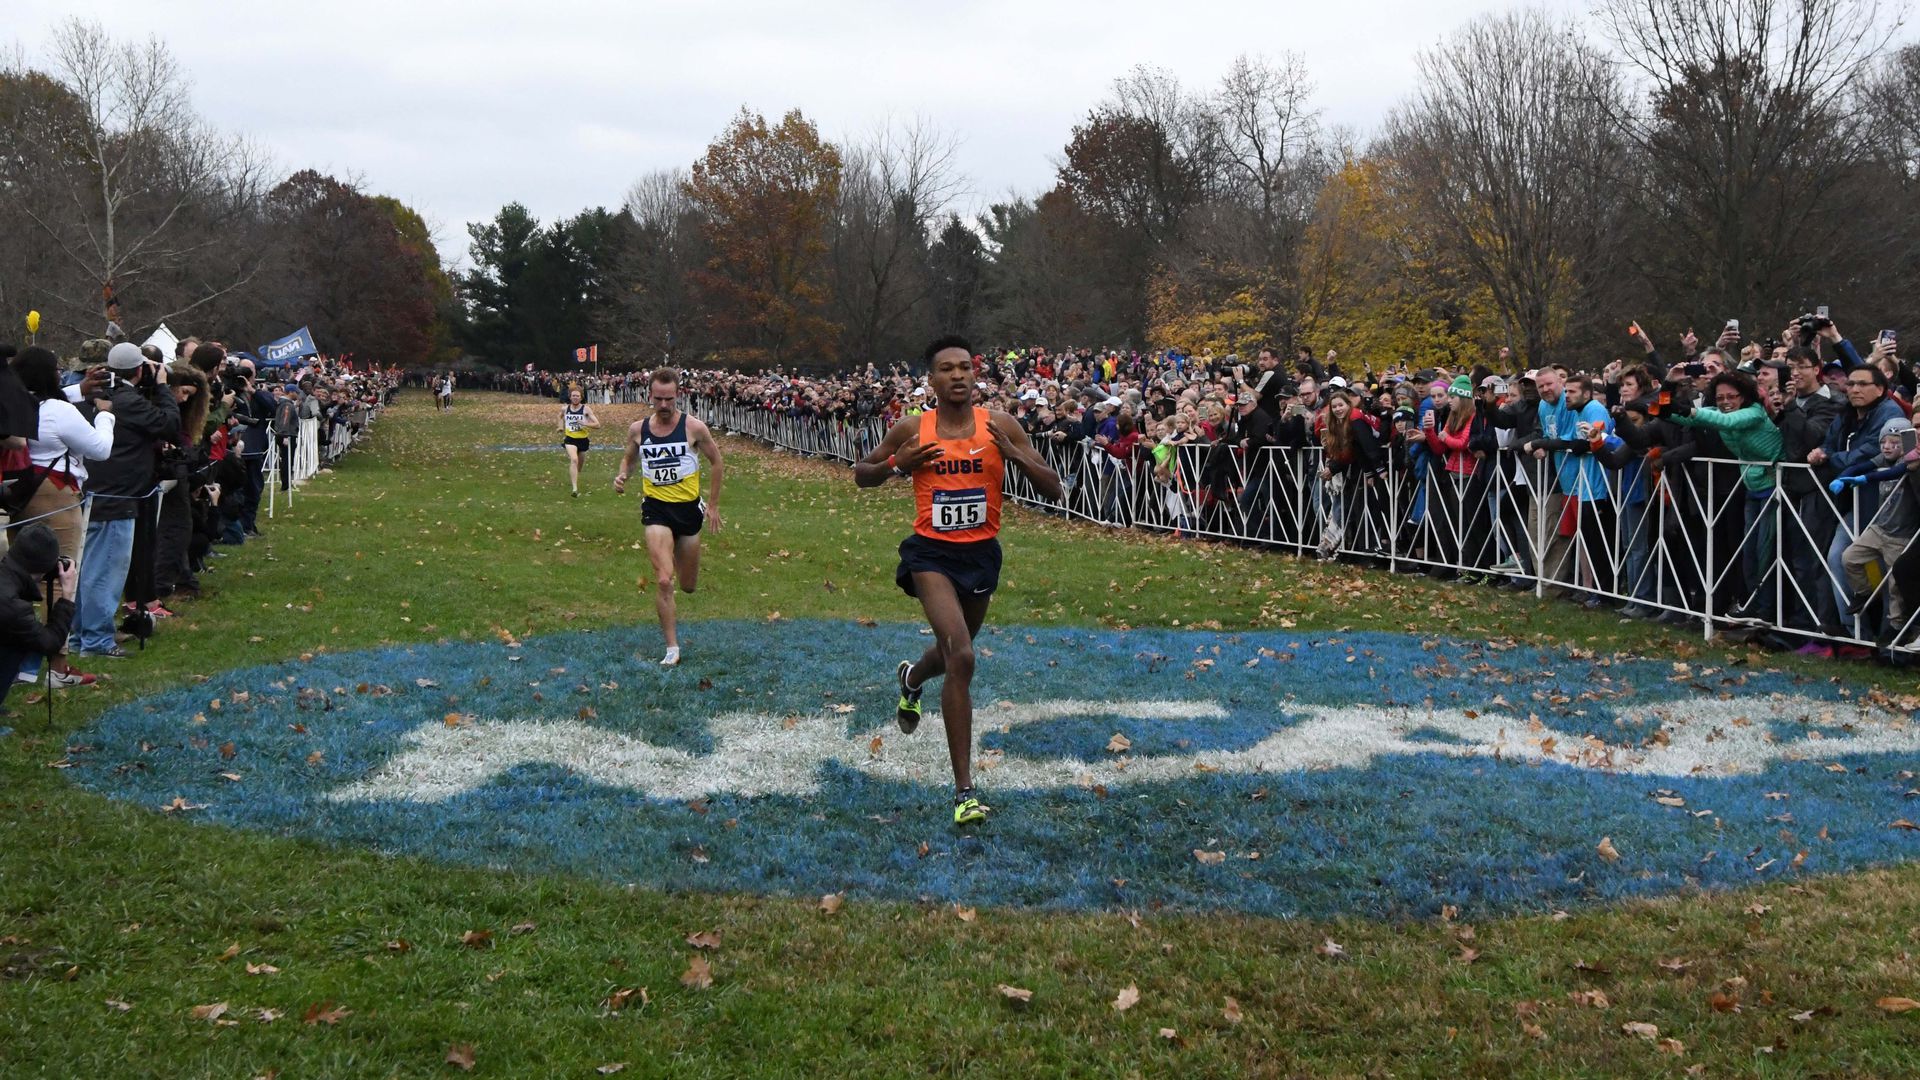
(672, 658)
(1505, 566)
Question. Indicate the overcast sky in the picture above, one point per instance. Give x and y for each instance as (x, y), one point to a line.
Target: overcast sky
(459, 108)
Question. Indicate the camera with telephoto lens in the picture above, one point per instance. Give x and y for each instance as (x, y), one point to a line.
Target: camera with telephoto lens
(1812, 324)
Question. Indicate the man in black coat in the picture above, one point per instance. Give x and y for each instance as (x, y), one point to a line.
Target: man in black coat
(145, 415)
(1804, 420)
(30, 561)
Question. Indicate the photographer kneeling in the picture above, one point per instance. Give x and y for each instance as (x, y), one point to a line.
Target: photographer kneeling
(31, 564)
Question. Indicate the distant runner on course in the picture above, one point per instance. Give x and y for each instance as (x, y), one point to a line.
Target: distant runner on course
(575, 419)
(956, 454)
(665, 445)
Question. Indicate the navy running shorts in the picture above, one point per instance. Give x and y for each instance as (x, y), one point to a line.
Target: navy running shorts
(973, 567)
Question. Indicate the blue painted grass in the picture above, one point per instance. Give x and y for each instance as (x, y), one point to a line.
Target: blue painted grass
(1396, 840)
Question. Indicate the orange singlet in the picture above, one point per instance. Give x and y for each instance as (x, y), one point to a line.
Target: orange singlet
(957, 497)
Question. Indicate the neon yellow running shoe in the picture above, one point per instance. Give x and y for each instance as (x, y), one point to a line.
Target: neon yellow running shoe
(967, 809)
(907, 713)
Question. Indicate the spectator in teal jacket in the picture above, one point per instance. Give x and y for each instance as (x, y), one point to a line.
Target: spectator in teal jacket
(1741, 418)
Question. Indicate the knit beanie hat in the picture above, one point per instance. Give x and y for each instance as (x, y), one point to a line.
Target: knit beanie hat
(1462, 387)
(36, 550)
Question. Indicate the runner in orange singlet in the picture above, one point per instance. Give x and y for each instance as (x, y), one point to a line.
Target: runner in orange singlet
(956, 454)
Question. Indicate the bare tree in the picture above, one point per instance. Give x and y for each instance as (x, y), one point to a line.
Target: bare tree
(1273, 145)
(654, 314)
(1745, 129)
(1505, 151)
(896, 184)
(134, 188)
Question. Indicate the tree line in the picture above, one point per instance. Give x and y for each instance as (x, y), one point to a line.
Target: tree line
(122, 208)
(1544, 182)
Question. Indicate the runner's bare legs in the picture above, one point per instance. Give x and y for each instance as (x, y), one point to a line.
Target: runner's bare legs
(955, 622)
(661, 552)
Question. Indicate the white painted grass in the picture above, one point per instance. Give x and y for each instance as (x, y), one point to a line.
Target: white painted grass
(757, 753)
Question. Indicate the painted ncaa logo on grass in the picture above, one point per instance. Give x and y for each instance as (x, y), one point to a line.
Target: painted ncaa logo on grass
(1274, 774)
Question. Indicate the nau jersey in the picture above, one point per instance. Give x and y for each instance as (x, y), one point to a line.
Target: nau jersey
(669, 469)
(957, 495)
(575, 421)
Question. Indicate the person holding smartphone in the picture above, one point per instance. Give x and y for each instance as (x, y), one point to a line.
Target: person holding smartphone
(33, 565)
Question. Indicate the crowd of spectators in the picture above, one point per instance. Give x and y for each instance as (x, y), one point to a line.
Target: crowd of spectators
(145, 469)
(597, 387)
(1769, 486)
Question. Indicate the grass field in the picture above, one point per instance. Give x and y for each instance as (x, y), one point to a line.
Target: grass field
(306, 957)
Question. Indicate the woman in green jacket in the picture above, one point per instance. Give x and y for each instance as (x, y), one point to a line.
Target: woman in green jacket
(1748, 429)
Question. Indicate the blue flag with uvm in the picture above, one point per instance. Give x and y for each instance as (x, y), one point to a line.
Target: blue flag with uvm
(288, 349)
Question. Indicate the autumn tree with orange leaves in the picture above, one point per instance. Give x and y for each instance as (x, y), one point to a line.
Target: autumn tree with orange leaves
(766, 196)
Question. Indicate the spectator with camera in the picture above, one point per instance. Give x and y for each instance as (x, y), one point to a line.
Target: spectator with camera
(34, 572)
(145, 416)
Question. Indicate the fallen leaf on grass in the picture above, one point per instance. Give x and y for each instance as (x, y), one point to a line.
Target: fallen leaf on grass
(1127, 998)
(477, 939)
(610, 1068)
(1592, 999)
(1533, 1031)
(1231, 1012)
(1208, 858)
(1119, 744)
(1757, 909)
(210, 1012)
(233, 950)
(1607, 850)
(267, 1016)
(1015, 993)
(119, 1006)
(699, 974)
(399, 945)
(324, 1013)
(1169, 1034)
(1903, 823)
(523, 928)
(1675, 965)
(1673, 1046)
(461, 1054)
(704, 939)
(262, 969)
(831, 902)
(179, 803)
(965, 914)
(1467, 955)
(620, 998)
(1897, 1004)
(1330, 948)
(1723, 1002)
(1640, 1028)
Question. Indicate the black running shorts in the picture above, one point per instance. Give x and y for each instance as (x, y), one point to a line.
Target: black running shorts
(973, 567)
(580, 442)
(684, 518)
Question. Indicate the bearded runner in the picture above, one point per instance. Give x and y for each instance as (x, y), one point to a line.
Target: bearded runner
(668, 446)
(956, 454)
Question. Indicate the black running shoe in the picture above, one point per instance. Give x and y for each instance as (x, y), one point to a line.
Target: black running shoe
(907, 713)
